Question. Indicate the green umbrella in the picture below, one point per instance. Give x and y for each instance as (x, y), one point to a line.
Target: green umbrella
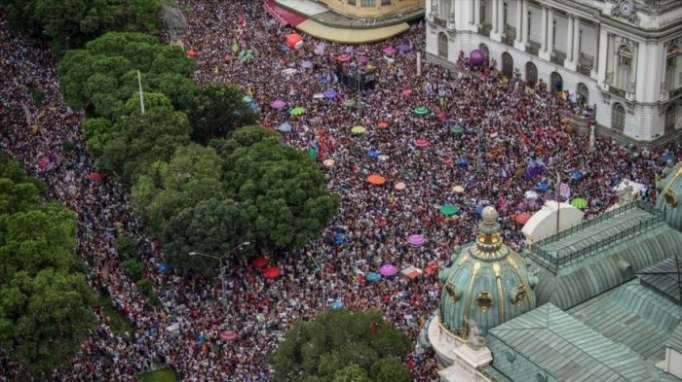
(67, 145)
(421, 111)
(457, 129)
(449, 209)
(349, 102)
(579, 203)
(358, 130)
(297, 111)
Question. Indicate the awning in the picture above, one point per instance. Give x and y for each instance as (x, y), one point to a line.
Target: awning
(346, 35)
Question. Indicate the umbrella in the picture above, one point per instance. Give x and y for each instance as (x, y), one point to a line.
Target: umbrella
(277, 104)
(318, 96)
(431, 267)
(458, 189)
(421, 111)
(298, 110)
(228, 335)
(272, 272)
(399, 186)
(336, 305)
(576, 175)
(579, 203)
(542, 186)
(376, 180)
(667, 157)
(447, 161)
(349, 102)
(330, 93)
(411, 272)
(388, 270)
(406, 92)
(383, 125)
(312, 152)
(449, 209)
(373, 154)
(289, 71)
(479, 209)
(343, 57)
(285, 127)
(97, 177)
(294, 41)
(421, 143)
(192, 53)
(328, 162)
(339, 238)
(373, 276)
(416, 240)
(358, 130)
(457, 129)
(404, 48)
(462, 162)
(67, 145)
(383, 157)
(247, 99)
(389, 50)
(442, 116)
(259, 262)
(521, 218)
(43, 162)
(163, 267)
(362, 60)
(531, 195)
(306, 64)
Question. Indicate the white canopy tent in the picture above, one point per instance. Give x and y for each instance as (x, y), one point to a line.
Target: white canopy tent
(544, 222)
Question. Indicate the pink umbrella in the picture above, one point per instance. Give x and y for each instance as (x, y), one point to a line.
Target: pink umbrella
(416, 240)
(389, 50)
(192, 53)
(406, 92)
(228, 335)
(421, 143)
(344, 57)
(278, 104)
(442, 116)
(43, 162)
(388, 270)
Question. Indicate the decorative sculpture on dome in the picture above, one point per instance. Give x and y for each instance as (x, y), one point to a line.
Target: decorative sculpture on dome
(475, 340)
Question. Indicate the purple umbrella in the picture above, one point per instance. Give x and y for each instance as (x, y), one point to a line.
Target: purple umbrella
(388, 270)
(404, 48)
(416, 240)
(389, 50)
(330, 93)
(278, 104)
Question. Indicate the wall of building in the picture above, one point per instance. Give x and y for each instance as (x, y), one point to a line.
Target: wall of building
(372, 8)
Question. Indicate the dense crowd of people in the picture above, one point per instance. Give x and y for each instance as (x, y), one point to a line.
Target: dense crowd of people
(504, 127)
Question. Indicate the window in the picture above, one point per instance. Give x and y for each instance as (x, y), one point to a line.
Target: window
(553, 32)
(529, 24)
(504, 15)
(385, 2)
(443, 45)
(351, 2)
(367, 3)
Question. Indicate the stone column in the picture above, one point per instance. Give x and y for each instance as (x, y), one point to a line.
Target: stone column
(522, 25)
(495, 32)
(598, 56)
(548, 31)
(477, 14)
(570, 61)
(602, 54)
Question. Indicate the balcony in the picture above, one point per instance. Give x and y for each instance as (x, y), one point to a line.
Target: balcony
(533, 47)
(485, 29)
(439, 22)
(509, 35)
(585, 64)
(616, 91)
(558, 57)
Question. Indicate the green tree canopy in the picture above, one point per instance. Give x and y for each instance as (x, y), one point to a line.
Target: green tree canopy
(281, 189)
(212, 228)
(164, 189)
(342, 346)
(219, 109)
(70, 24)
(101, 77)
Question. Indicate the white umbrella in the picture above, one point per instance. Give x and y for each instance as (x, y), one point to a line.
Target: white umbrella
(458, 189)
(289, 71)
(531, 195)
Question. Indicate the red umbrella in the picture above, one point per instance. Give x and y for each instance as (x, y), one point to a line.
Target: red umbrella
(259, 262)
(228, 335)
(344, 57)
(271, 273)
(192, 53)
(43, 162)
(521, 218)
(97, 177)
(442, 116)
(383, 125)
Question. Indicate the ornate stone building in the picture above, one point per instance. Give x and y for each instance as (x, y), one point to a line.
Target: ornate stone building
(624, 57)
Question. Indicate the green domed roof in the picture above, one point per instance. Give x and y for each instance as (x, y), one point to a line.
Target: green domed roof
(670, 197)
(487, 282)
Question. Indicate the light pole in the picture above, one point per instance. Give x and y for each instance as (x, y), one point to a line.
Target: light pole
(222, 267)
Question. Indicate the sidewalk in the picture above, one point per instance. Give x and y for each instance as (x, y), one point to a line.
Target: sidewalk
(318, 21)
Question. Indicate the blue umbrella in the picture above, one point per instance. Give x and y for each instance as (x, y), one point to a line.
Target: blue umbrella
(576, 175)
(479, 209)
(253, 106)
(163, 267)
(247, 99)
(374, 154)
(306, 64)
(462, 162)
(373, 276)
(285, 127)
(668, 157)
(330, 93)
(542, 186)
(336, 305)
(339, 238)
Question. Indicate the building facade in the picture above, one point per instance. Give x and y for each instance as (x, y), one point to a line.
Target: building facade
(373, 8)
(622, 57)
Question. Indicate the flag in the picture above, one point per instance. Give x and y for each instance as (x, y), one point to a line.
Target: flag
(564, 190)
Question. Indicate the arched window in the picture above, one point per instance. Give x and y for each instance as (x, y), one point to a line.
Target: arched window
(443, 45)
(531, 74)
(583, 94)
(618, 117)
(507, 64)
(557, 83)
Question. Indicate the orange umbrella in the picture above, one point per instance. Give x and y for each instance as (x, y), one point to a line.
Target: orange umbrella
(521, 218)
(383, 125)
(376, 180)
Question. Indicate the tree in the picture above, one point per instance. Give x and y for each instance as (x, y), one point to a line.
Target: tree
(341, 346)
(70, 24)
(101, 77)
(219, 109)
(213, 227)
(164, 189)
(282, 190)
(43, 318)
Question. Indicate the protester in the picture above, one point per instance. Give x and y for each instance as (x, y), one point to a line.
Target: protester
(507, 129)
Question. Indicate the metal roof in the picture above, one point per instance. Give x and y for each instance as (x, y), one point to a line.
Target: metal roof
(633, 315)
(675, 341)
(664, 277)
(549, 344)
